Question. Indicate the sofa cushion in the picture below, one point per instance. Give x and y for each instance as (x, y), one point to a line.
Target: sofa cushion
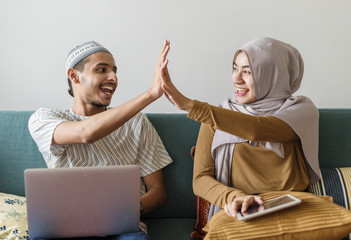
(13, 217)
(202, 210)
(335, 182)
(317, 217)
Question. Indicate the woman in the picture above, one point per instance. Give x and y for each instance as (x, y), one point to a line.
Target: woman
(261, 140)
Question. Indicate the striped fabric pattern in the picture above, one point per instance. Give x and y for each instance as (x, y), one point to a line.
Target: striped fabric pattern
(315, 218)
(134, 143)
(335, 182)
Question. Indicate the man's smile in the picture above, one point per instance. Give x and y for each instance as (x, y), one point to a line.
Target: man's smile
(108, 89)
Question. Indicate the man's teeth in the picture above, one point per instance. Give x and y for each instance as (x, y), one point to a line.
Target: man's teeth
(108, 88)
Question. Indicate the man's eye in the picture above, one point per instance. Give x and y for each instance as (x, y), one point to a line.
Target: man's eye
(101, 70)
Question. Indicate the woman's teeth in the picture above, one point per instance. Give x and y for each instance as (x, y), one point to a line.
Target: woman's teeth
(242, 90)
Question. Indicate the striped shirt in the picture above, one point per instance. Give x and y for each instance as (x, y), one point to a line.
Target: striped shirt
(134, 143)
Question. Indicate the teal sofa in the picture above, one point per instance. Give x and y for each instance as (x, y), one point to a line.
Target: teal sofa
(175, 219)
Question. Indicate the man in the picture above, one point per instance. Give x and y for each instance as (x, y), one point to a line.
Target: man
(90, 134)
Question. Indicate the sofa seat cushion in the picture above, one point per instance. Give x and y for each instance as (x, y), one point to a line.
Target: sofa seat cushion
(169, 228)
(13, 217)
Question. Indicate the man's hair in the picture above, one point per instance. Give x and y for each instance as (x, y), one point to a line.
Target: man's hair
(80, 67)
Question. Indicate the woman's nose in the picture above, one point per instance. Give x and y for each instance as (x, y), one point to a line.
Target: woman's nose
(237, 77)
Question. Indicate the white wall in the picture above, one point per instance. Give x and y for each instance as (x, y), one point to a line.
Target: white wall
(36, 36)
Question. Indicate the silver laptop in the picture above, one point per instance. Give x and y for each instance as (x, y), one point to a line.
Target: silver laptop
(82, 201)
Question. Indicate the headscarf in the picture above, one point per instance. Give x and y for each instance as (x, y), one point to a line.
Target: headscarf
(277, 70)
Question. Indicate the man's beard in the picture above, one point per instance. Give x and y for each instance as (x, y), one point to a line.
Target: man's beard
(99, 105)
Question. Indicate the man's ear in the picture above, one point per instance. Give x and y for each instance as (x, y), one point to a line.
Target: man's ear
(72, 74)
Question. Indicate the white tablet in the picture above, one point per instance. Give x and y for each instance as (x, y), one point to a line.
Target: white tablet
(270, 206)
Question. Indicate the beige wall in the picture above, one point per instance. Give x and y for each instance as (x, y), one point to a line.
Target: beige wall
(36, 35)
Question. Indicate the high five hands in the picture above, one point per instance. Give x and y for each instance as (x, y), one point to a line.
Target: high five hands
(156, 90)
(171, 92)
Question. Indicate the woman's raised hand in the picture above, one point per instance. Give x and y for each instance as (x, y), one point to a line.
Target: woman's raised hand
(171, 92)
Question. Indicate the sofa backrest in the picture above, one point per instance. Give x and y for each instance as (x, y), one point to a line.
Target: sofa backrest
(178, 134)
(18, 152)
(334, 138)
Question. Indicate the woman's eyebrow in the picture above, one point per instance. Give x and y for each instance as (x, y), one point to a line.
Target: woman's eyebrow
(245, 66)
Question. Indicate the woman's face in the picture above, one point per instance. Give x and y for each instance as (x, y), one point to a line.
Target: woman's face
(242, 79)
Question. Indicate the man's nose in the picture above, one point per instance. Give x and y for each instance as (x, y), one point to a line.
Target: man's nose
(113, 77)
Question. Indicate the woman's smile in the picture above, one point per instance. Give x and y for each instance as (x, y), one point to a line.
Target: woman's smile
(241, 91)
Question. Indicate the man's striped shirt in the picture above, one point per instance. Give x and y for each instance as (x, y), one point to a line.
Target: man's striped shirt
(134, 143)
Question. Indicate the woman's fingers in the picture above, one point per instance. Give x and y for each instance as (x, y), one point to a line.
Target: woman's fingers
(226, 210)
(242, 202)
(258, 199)
(231, 209)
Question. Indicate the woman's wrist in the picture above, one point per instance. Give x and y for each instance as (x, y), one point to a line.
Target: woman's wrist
(189, 105)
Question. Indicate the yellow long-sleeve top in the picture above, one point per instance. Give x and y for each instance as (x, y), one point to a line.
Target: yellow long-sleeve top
(254, 169)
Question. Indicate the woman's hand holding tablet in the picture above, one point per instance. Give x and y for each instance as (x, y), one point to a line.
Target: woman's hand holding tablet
(273, 205)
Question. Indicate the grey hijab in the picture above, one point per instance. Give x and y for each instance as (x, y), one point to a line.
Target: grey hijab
(277, 70)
